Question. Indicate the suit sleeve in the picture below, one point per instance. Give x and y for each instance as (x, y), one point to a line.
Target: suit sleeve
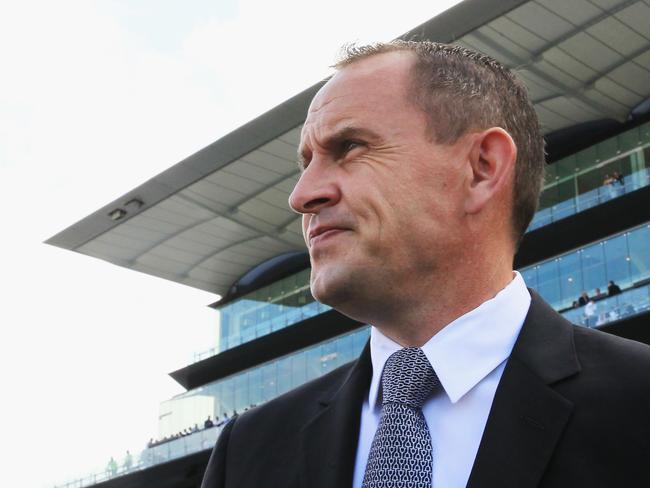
(215, 474)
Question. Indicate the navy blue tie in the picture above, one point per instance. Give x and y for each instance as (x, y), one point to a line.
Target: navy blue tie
(401, 454)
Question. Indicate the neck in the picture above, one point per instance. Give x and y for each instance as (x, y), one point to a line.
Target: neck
(439, 300)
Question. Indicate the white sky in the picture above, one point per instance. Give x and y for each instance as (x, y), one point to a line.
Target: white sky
(97, 97)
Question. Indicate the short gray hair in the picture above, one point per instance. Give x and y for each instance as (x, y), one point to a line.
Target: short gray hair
(447, 77)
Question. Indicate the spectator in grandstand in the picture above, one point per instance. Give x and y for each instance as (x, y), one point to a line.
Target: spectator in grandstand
(111, 467)
(618, 177)
(613, 289)
(421, 166)
(584, 299)
(128, 461)
(591, 312)
(598, 295)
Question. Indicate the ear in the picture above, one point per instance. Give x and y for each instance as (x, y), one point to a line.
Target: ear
(491, 164)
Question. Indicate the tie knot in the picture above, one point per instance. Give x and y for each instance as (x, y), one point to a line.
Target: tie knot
(408, 378)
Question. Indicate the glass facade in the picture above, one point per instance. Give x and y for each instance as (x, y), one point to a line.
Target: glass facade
(588, 178)
(627, 304)
(623, 258)
(273, 307)
(174, 449)
(268, 309)
(261, 383)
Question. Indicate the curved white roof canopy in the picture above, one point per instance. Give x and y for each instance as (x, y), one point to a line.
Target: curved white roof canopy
(210, 218)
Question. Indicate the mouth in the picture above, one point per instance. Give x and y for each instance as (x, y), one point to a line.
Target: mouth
(321, 234)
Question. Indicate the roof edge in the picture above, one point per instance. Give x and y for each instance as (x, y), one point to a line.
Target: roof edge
(445, 27)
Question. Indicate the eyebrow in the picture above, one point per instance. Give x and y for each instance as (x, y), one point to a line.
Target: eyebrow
(340, 135)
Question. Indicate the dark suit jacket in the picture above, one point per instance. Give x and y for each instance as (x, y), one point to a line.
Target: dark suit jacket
(572, 409)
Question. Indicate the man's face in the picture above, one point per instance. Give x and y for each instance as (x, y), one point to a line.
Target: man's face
(380, 200)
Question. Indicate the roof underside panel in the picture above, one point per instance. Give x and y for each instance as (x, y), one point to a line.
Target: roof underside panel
(224, 210)
(213, 231)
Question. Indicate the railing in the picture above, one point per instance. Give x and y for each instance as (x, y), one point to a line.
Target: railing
(289, 316)
(151, 456)
(584, 201)
(631, 302)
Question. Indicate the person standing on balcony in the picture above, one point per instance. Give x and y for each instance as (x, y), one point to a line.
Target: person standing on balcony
(421, 167)
(613, 289)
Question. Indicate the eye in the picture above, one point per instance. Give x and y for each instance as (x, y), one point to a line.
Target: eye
(349, 145)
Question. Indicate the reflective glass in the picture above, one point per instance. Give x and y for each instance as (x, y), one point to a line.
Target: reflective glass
(595, 175)
(284, 375)
(265, 382)
(631, 302)
(530, 277)
(617, 260)
(570, 279)
(242, 390)
(268, 309)
(269, 387)
(548, 281)
(593, 268)
(298, 369)
(622, 258)
(639, 247)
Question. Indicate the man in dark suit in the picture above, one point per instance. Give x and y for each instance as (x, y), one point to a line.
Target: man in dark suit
(421, 169)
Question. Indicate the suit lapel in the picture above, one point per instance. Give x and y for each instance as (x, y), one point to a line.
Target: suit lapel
(329, 441)
(528, 416)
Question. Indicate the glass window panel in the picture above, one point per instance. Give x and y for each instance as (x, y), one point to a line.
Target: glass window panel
(299, 369)
(548, 282)
(550, 175)
(241, 392)
(570, 279)
(639, 247)
(530, 276)
(345, 349)
(215, 392)
(284, 375)
(616, 260)
(628, 140)
(360, 338)
(586, 158)
(593, 268)
(607, 149)
(593, 179)
(328, 357)
(255, 386)
(566, 167)
(313, 363)
(228, 395)
(269, 385)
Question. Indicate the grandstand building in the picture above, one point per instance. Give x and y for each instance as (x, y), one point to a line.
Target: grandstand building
(219, 220)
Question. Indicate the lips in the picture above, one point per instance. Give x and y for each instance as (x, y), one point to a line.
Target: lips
(321, 233)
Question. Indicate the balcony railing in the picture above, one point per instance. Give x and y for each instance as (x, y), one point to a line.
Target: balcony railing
(281, 318)
(151, 456)
(584, 201)
(629, 303)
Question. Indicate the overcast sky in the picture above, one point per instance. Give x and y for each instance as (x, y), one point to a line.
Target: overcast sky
(96, 98)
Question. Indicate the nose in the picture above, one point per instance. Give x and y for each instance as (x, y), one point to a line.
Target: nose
(315, 190)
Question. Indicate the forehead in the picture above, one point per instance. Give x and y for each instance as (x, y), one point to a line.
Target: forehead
(373, 85)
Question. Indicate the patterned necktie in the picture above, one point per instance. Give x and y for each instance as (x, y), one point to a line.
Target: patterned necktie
(401, 454)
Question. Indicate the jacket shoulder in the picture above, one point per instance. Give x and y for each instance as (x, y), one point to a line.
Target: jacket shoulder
(620, 360)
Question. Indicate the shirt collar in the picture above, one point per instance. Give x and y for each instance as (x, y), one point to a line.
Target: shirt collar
(468, 349)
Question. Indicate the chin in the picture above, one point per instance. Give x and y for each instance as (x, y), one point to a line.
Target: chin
(331, 286)
(338, 288)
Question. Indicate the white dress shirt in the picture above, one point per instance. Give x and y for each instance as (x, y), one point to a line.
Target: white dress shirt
(469, 356)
